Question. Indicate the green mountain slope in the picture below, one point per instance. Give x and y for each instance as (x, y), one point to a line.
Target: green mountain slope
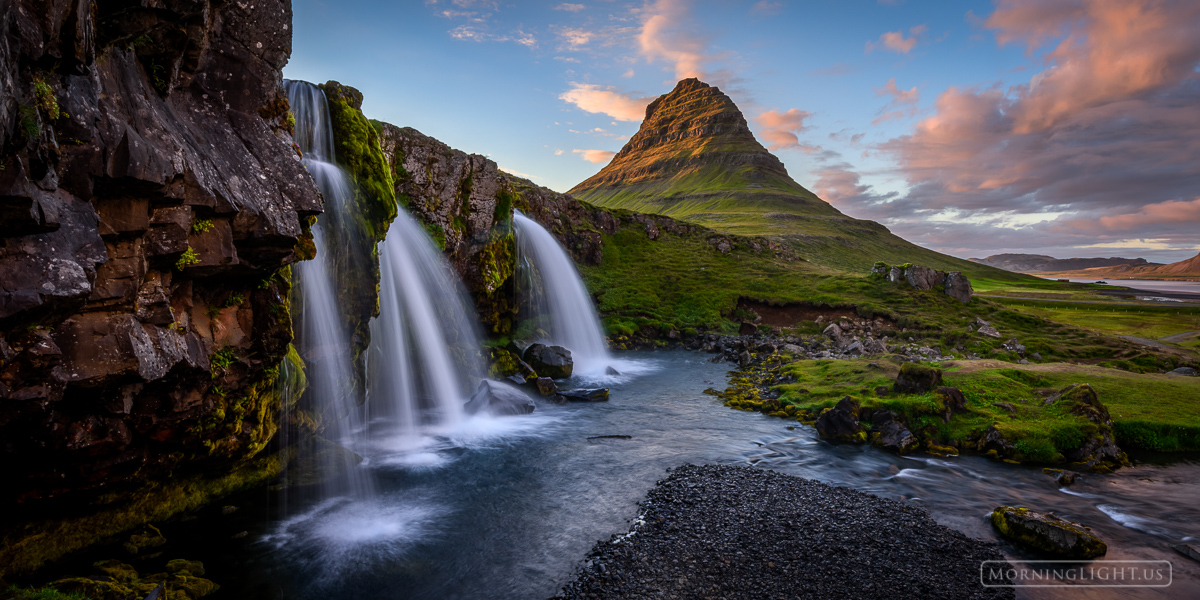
(694, 158)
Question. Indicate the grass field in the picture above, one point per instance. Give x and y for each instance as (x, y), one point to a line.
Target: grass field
(1151, 322)
(1151, 412)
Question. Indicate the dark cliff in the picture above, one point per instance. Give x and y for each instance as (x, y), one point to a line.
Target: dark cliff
(150, 202)
(467, 203)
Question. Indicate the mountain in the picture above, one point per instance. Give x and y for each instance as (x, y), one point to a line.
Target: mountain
(1039, 263)
(1185, 269)
(695, 159)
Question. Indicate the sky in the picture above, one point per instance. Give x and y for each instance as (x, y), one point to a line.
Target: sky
(1061, 127)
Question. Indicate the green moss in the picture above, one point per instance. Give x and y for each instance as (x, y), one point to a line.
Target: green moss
(201, 225)
(187, 259)
(44, 99)
(221, 360)
(357, 148)
(42, 540)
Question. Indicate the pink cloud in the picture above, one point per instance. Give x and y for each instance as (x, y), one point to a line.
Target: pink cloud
(896, 42)
(899, 96)
(596, 156)
(779, 129)
(598, 99)
(1172, 211)
(667, 34)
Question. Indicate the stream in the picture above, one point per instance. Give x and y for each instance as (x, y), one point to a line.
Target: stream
(508, 507)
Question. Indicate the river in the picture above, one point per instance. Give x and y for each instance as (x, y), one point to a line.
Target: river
(508, 507)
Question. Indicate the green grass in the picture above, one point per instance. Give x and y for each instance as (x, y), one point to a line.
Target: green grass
(1144, 321)
(1149, 412)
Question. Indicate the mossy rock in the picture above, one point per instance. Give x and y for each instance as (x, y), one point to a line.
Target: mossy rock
(1085, 402)
(1047, 534)
(915, 378)
(148, 537)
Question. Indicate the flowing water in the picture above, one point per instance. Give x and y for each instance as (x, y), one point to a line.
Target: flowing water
(508, 507)
(321, 337)
(557, 298)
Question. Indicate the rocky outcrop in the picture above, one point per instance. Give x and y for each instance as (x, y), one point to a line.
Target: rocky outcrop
(1099, 452)
(953, 283)
(890, 434)
(1047, 534)
(151, 200)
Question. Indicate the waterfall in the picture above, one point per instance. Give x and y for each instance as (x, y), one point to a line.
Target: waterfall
(557, 299)
(425, 352)
(425, 345)
(322, 339)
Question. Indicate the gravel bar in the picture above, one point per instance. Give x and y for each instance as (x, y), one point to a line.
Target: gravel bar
(739, 532)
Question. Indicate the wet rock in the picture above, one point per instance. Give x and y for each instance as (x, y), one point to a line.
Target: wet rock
(546, 386)
(841, 423)
(550, 361)
(499, 399)
(1047, 534)
(516, 379)
(958, 287)
(1189, 550)
(585, 395)
(994, 445)
(744, 359)
(890, 434)
(1062, 476)
(915, 378)
(1185, 371)
(611, 371)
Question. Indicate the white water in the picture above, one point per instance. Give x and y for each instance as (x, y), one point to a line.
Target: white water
(558, 300)
(323, 341)
(424, 358)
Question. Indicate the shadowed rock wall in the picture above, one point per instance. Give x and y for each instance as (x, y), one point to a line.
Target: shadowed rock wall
(150, 201)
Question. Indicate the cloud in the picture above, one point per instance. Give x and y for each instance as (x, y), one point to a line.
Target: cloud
(779, 129)
(899, 96)
(896, 42)
(1101, 146)
(570, 7)
(764, 8)
(667, 34)
(599, 99)
(574, 37)
(596, 156)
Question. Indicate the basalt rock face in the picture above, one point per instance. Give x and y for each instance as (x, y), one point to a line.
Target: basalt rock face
(466, 204)
(150, 200)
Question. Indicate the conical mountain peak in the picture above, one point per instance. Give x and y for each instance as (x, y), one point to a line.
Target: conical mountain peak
(694, 129)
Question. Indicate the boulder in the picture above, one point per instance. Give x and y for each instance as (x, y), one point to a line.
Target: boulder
(958, 286)
(499, 399)
(989, 331)
(840, 423)
(915, 378)
(891, 434)
(1047, 534)
(747, 329)
(546, 386)
(922, 278)
(874, 346)
(744, 359)
(585, 395)
(952, 400)
(549, 361)
(993, 444)
(1185, 371)
(611, 371)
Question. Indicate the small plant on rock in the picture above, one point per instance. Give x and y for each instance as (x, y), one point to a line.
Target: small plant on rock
(187, 259)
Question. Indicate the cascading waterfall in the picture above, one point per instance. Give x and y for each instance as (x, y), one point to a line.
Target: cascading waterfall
(558, 300)
(424, 356)
(322, 339)
(425, 344)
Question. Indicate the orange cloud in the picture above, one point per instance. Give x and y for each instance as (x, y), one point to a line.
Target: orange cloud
(896, 42)
(668, 35)
(597, 99)
(779, 129)
(1173, 211)
(596, 156)
(1109, 50)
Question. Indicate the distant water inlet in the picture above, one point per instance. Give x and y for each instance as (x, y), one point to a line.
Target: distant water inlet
(558, 303)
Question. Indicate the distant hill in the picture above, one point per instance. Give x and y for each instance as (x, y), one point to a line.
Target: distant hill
(1038, 263)
(1185, 269)
(695, 159)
